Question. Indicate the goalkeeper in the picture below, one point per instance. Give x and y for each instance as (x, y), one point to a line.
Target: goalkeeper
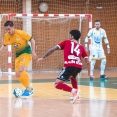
(96, 35)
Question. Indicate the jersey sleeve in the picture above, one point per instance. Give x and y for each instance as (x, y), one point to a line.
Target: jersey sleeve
(104, 34)
(62, 45)
(25, 35)
(89, 33)
(6, 40)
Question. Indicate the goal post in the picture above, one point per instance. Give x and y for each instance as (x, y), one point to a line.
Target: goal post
(48, 30)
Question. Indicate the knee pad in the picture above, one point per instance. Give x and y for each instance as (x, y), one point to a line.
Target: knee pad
(103, 61)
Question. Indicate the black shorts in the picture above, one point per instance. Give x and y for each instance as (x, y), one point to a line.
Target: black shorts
(67, 72)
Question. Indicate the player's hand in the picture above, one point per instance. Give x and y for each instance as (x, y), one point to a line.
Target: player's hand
(108, 50)
(18, 74)
(34, 55)
(39, 60)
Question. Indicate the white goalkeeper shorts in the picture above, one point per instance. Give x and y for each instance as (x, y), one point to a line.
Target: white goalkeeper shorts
(97, 53)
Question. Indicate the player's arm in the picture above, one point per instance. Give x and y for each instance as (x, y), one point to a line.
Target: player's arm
(49, 52)
(106, 42)
(86, 42)
(86, 58)
(2, 48)
(87, 39)
(5, 43)
(33, 48)
(29, 38)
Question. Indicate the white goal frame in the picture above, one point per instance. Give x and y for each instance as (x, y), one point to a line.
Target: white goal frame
(89, 16)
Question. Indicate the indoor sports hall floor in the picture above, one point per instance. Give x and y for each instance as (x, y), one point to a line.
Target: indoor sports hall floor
(98, 98)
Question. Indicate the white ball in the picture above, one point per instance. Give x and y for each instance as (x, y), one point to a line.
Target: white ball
(43, 7)
(17, 92)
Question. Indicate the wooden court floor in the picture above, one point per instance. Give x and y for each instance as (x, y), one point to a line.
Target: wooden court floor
(98, 98)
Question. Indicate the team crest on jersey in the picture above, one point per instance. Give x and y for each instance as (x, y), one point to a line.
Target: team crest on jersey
(15, 46)
(17, 39)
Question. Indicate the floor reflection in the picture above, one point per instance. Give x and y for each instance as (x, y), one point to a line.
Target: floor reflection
(102, 82)
(19, 102)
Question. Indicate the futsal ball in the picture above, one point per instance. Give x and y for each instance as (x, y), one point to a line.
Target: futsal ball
(17, 92)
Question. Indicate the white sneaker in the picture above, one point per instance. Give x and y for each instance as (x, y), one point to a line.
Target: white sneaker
(75, 96)
(71, 98)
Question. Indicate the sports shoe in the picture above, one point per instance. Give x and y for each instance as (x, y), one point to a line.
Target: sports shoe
(92, 77)
(71, 98)
(28, 93)
(103, 76)
(76, 95)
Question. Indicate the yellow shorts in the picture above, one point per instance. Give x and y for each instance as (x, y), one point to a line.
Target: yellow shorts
(22, 60)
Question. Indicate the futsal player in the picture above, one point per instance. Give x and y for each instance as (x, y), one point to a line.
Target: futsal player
(73, 54)
(19, 41)
(96, 35)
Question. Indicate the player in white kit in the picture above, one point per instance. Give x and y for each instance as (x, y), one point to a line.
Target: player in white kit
(96, 35)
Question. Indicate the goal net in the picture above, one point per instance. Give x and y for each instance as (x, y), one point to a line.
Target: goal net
(47, 30)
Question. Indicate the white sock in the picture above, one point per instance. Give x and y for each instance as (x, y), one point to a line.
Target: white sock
(73, 90)
(92, 67)
(103, 64)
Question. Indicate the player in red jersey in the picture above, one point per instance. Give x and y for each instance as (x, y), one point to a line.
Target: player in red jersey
(73, 54)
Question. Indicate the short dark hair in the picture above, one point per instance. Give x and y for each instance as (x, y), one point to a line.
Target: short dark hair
(76, 34)
(9, 23)
(97, 20)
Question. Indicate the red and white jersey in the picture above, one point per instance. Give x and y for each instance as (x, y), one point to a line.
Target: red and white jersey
(73, 53)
